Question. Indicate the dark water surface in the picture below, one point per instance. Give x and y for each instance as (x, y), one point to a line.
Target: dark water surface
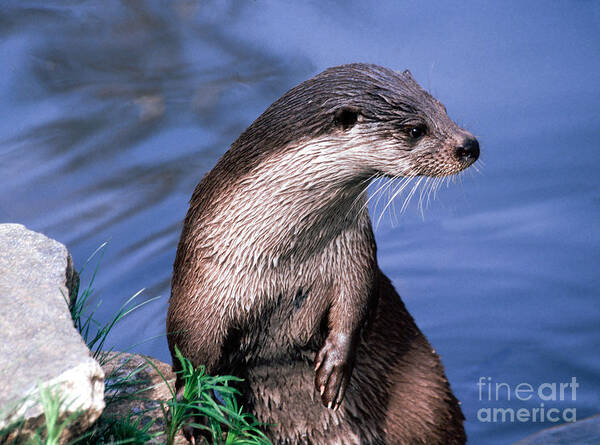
(112, 111)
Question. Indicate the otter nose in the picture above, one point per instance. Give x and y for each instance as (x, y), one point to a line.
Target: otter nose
(469, 150)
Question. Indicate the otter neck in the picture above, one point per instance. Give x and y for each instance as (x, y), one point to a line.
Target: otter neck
(288, 208)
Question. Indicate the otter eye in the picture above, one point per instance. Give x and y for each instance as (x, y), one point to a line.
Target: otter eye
(417, 132)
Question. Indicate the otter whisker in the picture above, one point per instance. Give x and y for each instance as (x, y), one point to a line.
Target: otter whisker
(432, 189)
(393, 218)
(410, 195)
(394, 183)
(420, 201)
(362, 193)
(366, 183)
(421, 196)
(372, 196)
(439, 186)
(428, 187)
(438, 183)
(379, 189)
(403, 185)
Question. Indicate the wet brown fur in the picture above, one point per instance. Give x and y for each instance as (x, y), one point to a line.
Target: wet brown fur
(276, 267)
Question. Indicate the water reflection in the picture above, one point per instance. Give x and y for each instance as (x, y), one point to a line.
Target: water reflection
(112, 111)
(127, 104)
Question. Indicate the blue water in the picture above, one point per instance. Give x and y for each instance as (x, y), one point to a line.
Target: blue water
(111, 112)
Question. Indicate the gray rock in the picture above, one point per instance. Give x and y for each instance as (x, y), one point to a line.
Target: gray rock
(141, 396)
(582, 432)
(38, 343)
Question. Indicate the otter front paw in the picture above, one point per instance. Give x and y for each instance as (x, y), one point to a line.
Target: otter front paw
(333, 367)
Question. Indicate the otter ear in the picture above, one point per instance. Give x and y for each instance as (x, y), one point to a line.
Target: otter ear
(408, 75)
(346, 117)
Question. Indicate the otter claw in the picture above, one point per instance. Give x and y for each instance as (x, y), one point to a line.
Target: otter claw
(333, 371)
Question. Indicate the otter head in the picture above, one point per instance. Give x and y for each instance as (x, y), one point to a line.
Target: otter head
(366, 121)
(319, 144)
(399, 128)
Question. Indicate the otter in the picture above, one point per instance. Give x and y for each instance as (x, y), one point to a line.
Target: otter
(276, 278)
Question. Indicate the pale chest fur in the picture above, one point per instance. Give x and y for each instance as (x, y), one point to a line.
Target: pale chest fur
(286, 227)
(250, 283)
